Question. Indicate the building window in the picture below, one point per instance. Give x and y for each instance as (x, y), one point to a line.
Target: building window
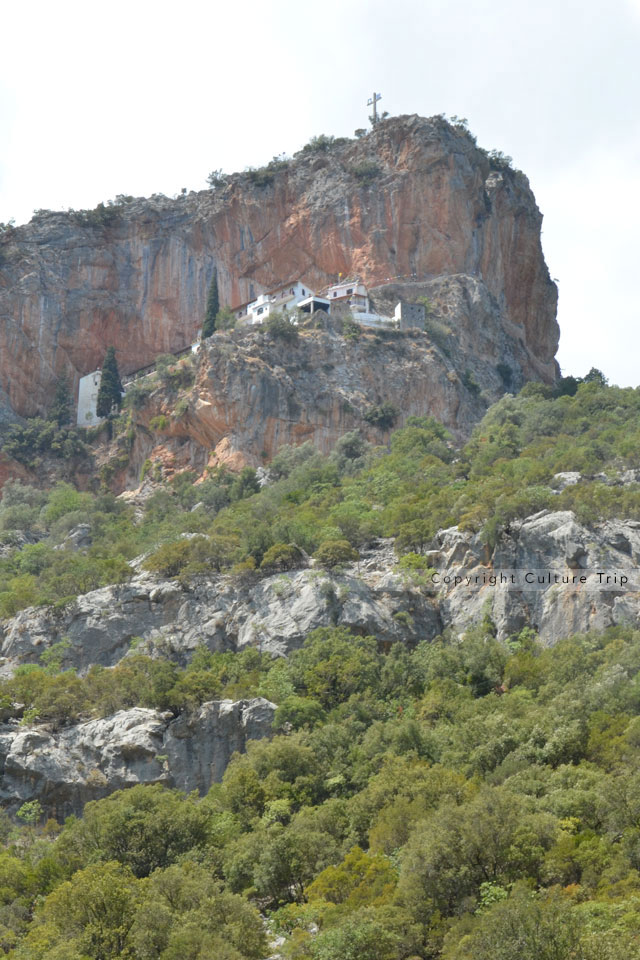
(349, 291)
(260, 309)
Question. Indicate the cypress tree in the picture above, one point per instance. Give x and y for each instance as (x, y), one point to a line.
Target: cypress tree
(213, 307)
(61, 409)
(110, 390)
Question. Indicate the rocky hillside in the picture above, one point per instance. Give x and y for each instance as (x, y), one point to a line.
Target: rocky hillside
(414, 197)
(530, 529)
(374, 597)
(327, 699)
(328, 641)
(253, 393)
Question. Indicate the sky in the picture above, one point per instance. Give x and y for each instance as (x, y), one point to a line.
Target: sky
(148, 97)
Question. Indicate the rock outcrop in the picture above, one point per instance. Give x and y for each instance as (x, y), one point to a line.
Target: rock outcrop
(414, 198)
(65, 770)
(274, 614)
(566, 578)
(372, 597)
(253, 393)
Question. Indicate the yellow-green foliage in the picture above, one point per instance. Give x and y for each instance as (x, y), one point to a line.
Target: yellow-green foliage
(356, 494)
(159, 423)
(461, 800)
(197, 555)
(281, 556)
(332, 553)
(464, 800)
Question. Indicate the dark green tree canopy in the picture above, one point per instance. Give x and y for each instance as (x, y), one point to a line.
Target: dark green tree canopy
(110, 390)
(213, 308)
(61, 409)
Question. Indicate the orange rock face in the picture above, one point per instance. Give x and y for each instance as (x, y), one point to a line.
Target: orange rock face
(253, 392)
(415, 197)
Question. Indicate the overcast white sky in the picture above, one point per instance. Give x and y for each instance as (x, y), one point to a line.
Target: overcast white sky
(143, 97)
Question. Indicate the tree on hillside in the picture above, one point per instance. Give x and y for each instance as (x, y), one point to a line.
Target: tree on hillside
(596, 376)
(61, 409)
(213, 308)
(110, 390)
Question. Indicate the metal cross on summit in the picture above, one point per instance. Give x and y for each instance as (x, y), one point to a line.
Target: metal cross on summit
(371, 102)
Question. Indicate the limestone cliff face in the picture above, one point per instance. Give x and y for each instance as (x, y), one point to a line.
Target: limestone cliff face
(254, 393)
(66, 769)
(372, 597)
(415, 197)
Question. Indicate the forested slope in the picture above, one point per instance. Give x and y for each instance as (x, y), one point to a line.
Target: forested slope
(461, 797)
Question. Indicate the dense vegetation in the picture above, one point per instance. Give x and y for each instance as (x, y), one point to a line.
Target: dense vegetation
(40, 438)
(358, 493)
(464, 800)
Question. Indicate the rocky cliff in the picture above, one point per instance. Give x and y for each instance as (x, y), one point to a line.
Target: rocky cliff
(415, 197)
(417, 210)
(65, 770)
(371, 597)
(253, 393)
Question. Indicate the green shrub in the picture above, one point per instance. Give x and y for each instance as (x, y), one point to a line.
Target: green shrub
(175, 373)
(181, 407)
(20, 507)
(260, 177)
(383, 416)
(281, 556)
(264, 176)
(565, 387)
(351, 330)
(30, 812)
(225, 319)
(159, 423)
(366, 171)
(64, 499)
(471, 383)
(101, 216)
(321, 144)
(297, 713)
(171, 558)
(333, 553)
(440, 333)
(146, 469)
(196, 555)
(499, 160)
(288, 458)
(280, 327)
(217, 179)
(28, 443)
(20, 592)
(415, 568)
(138, 391)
